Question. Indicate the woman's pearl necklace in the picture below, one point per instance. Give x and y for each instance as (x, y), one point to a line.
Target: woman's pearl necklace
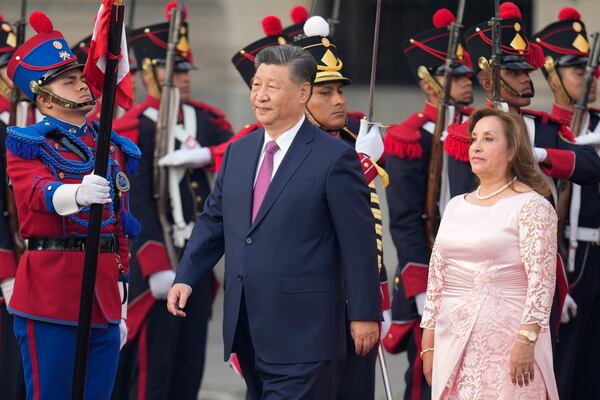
(489, 196)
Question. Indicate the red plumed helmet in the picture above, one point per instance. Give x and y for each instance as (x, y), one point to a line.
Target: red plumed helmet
(568, 13)
(40, 22)
(509, 10)
(443, 17)
(272, 25)
(171, 5)
(299, 14)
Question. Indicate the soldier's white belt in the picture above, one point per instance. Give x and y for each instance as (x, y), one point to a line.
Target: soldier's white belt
(585, 234)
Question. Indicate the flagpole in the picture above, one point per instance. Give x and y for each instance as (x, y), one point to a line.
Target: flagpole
(95, 216)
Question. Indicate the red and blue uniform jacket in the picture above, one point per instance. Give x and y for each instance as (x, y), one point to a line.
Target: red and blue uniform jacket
(149, 254)
(41, 158)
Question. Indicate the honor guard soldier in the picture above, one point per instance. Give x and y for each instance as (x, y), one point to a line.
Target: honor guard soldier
(50, 165)
(566, 50)
(557, 155)
(408, 151)
(10, 359)
(327, 110)
(164, 347)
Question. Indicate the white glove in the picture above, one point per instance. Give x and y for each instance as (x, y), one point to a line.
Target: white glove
(70, 198)
(420, 302)
(369, 140)
(93, 189)
(160, 283)
(569, 310)
(592, 139)
(123, 333)
(188, 158)
(540, 154)
(386, 323)
(7, 287)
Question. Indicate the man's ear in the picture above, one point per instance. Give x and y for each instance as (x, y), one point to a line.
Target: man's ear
(43, 102)
(485, 81)
(305, 92)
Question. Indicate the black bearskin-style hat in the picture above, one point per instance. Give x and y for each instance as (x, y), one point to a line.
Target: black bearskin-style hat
(82, 49)
(565, 41)
(517, 52)
(427, 51)
(320, 45)
(299, 15)
(150, 43)
(243, 60)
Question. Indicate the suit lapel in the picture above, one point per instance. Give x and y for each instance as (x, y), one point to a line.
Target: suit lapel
(247, 171)
(294, 157)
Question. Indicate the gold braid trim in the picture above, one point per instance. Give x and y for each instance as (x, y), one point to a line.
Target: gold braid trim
(553, 77)
(375, 209)
(385, 178)
(5, 90)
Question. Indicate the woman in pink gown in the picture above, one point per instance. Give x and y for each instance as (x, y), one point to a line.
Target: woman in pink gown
(492, 275)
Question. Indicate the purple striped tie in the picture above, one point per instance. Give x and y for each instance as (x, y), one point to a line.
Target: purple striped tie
(264, 177)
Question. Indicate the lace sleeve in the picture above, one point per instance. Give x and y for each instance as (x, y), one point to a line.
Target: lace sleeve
(435, 283)
(537, 243)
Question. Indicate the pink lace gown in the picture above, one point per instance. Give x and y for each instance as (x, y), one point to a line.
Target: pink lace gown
(492, 269)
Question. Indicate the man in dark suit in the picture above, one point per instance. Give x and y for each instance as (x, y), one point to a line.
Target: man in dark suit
(296, 246)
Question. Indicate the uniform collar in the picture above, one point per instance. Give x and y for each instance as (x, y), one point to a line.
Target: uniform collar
(153, 102)
(4, 104)
(561, 112)
(66, 126)
(430, 111)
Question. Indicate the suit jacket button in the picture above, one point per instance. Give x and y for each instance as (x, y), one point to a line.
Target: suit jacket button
(248, 240)
(240, 277)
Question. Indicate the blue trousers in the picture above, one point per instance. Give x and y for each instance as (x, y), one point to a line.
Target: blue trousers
(267, 381)
(48, 353)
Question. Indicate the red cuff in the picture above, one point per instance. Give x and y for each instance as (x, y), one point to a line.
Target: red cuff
(8, 266)
(386, 303)
(369, 170)
(217, 157)
(396, 340)
(563, 164)
(562, 287)
(152, 257)
(414, 279)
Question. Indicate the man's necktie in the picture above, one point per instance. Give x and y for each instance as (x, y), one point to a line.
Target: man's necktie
(264, 177)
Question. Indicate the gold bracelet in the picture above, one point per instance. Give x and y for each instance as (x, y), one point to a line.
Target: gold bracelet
(525, 342)
(425, 351)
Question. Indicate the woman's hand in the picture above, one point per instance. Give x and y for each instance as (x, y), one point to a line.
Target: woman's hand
(428, 366)
(521, 363)
(427, 340)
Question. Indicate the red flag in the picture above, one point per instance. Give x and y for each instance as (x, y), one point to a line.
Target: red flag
(95, 67)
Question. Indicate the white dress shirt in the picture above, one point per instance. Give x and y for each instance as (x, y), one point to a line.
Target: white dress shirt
(284, 141)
